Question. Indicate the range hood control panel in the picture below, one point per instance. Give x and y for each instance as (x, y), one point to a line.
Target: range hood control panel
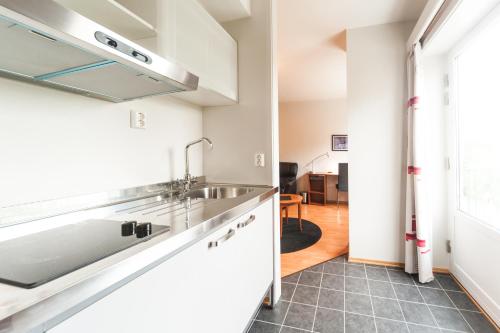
(122, 47)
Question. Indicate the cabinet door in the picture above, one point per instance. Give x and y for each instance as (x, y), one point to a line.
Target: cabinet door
(202, 289)
(191, 36)
(194, 39)
(222, 69)
(252, 273)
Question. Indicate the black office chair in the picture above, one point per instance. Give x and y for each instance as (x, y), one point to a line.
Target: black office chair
(343, 182)
(288, 177)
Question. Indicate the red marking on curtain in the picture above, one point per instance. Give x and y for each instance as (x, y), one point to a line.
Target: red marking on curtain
(414, 225)
(420, 242)
(425, 252)
(410, 236)
(413, 101)
(413, 170)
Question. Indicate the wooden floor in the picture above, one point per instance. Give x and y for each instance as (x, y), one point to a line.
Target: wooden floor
(334, 241)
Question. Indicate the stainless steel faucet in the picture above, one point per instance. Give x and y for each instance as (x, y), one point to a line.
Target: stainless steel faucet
(188, 179)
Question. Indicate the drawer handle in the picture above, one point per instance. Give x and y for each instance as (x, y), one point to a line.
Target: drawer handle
(247, 222)
(221, 240)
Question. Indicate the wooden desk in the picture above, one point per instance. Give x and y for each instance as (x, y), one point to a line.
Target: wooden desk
(318, 187)
(294, 199)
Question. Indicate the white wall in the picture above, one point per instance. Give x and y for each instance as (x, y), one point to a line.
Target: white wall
(377, 128)
(376, 105)
(240, 131)
(55, 144)
(306, 130)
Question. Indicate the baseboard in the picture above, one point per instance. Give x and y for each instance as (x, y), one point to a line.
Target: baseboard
(490, 309)
(441, 270)
(391, 264)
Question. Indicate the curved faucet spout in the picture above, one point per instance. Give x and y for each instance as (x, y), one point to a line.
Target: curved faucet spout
(207, 140)
(187, 176)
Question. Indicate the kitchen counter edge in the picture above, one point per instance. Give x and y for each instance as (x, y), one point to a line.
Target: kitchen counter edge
(47, 313)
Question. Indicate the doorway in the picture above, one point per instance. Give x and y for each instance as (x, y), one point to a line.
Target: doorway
(308, 146)
(312, 66)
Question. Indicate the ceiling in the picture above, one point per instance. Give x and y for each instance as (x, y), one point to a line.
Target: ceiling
(311, 41)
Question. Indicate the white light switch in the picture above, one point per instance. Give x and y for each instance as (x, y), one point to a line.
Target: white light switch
(137, 119)
(259, 160)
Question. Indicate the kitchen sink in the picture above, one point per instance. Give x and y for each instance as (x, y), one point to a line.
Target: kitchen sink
(218, 192)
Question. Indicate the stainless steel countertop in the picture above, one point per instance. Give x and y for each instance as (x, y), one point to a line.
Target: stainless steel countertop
(38, 309)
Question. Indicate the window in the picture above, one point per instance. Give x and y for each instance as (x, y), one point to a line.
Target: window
(478, 110)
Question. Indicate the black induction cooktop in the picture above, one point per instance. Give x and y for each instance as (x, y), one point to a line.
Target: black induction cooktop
(32, 260)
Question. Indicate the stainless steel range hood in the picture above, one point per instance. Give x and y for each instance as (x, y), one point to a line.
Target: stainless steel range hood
(45, 43)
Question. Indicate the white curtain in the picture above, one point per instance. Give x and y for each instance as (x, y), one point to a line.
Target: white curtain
(418, 237)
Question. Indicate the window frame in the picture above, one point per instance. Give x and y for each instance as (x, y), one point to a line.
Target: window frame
(454, 179)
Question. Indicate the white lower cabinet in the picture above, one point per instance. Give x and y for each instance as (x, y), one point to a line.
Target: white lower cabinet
(201, 289)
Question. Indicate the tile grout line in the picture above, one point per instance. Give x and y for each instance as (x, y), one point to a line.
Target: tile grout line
(397, 299)
(428, 308)
(414, 283)
(296, 328)
(360, 314)
(470, 326)
(395, 320)
(319, 293)
(290, 304)
(274, 324)
(371, 300)
(356, 293)
(427, 305)
(406, 284)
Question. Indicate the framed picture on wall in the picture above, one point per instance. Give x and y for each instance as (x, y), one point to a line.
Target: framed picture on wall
(339, 142)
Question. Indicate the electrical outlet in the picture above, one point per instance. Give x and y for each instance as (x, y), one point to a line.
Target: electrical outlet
(259, 160)
(137, 119)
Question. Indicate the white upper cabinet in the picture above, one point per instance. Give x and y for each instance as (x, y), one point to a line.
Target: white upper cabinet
(123, 16)
(190, 36)
(222, 64)
(180, 30)
(227, 10)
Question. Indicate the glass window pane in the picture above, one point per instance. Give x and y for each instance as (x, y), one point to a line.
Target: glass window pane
(478, 105)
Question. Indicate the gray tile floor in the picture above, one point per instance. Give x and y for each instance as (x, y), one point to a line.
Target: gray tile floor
(337, 296)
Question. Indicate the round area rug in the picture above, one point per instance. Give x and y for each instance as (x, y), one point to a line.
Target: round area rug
(294, 240)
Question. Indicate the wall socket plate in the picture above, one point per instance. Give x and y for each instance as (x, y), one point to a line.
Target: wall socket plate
(137, 119)
(259, 160)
